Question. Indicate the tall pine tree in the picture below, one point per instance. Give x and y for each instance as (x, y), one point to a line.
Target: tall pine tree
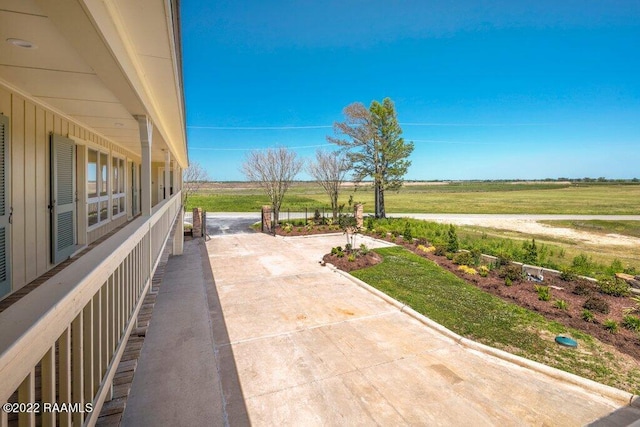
(375, 147)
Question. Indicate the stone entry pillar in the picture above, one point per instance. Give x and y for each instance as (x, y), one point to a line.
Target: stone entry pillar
(197, 222)
(266, 218)
(358, 213)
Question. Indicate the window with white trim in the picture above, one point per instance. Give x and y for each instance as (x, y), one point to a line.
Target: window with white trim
(117, 186)
(97, 187)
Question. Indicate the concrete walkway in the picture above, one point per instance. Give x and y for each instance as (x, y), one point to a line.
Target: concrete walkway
(280, 340)
(309, 347)
(177, 382)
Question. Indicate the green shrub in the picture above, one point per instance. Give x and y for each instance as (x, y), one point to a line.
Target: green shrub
(530, 252)
(582, 288)
(364, 249)
(463, 258)
(508, 281)
(347, 247)
(351, 258)
(452, 239)
(568, 276)
(631, 322)
(407, 235)
(370, 223)
(440, 250)
(503, 259)
(611, 325)
(614, 286)
(544, 293)
(340, 254)
(596, 304)
(511, 272)
(588, 316)
(561, 304)
(483, 271)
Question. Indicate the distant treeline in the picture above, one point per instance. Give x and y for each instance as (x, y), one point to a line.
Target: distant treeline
(559, 180)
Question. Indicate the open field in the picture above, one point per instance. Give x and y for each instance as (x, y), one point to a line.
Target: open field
(481, 198)
(458, 197)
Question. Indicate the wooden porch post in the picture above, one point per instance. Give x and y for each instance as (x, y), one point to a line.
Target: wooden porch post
(167, 174)
(146, 134)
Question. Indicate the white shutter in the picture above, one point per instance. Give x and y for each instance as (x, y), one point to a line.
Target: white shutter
(63, 203)
(5, 209)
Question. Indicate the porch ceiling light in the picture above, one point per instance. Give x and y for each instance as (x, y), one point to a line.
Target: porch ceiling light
(26, 44)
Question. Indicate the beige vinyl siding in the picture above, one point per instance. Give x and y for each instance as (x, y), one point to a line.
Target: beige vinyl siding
(31, 124)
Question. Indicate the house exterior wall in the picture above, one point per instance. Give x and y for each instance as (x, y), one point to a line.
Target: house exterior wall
(31, 125)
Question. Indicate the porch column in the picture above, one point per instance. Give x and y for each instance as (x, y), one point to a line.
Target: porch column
(178, 238)
(176, 184)
(146, 134)
(167, 174)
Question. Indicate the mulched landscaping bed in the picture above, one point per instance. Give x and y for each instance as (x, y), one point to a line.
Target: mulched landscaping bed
(303, 231)
(362, 261)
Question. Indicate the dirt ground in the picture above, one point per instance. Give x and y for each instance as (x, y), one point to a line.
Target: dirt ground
(534, 227)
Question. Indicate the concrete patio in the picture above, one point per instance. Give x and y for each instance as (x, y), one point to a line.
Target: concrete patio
(278, 339)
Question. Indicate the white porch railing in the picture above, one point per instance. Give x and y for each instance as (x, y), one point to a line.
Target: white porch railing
(74, 327)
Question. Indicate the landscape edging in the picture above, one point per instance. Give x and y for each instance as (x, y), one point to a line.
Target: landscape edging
(558, 374)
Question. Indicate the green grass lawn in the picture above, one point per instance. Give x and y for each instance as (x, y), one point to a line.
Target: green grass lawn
(461, 197)
(468, 311)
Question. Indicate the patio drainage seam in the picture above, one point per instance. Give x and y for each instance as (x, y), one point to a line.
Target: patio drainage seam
(555, 373)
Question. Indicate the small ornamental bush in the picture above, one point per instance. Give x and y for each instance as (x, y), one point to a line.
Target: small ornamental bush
(631, 322)
(440, 251)
(614, 286)
(407, 235)
(610, 325)
(370, 224)
(452, 239)
(467, 270)
(561, 304)
(508, 282)
(544, 294)
(596, 304)
(364, 249)
(568, 276)
(483, 271)
(512, 272)
(502, 260)
(340, 254)
(426, 249)
(583, 288)
(463, 258)
(588, 316)
(351, 258)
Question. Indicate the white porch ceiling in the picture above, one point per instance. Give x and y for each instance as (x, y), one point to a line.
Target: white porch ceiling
(100, 63)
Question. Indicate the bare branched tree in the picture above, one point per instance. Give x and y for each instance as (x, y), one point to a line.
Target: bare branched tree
(274, 170)
(330, 169)
(193, 176)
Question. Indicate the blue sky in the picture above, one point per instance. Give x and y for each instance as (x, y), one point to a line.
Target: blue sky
(485, 89)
